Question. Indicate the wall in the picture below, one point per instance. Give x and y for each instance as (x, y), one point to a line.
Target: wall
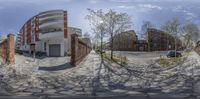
(7, 49)
(197, 47)
(79, 49)
(124, 41)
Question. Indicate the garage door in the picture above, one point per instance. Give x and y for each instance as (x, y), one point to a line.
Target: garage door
(54, 50)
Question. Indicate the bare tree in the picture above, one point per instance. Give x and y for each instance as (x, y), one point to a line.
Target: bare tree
(173, 28)
(145, 26)
(97, 20)
(190, 32)
(110, 22)
(86, 35)
(116, 23)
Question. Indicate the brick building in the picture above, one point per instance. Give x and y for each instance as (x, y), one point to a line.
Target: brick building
(125, 41)
(161, 41)
(157, 40)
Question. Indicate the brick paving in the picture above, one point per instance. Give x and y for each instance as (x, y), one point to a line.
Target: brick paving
(93, 78)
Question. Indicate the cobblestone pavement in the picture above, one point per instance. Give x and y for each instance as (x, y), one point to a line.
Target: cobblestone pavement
(96, 78)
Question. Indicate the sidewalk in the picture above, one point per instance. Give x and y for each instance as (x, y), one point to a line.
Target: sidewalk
(78, 83)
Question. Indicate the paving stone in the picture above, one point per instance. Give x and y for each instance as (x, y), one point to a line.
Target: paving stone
(66, 92)
(119, 91)
(134, 93)
(49, 91)
(23, 94)
(4, 93)
(34, 90)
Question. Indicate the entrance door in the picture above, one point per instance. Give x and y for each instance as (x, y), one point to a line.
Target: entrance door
(54, 50)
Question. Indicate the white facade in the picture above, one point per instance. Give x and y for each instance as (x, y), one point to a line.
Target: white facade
(51, 34)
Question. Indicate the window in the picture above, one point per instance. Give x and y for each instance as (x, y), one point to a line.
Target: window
(44, 46)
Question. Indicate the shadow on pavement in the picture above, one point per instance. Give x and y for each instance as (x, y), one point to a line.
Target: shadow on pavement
(56, 68)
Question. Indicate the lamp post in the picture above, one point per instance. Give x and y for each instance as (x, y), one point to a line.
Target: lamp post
(101, 31)
(32, 46)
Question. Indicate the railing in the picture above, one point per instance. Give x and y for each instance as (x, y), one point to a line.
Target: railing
(51, 30)
(49, 21)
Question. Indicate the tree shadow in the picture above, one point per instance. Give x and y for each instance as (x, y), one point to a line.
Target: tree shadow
(56, 68)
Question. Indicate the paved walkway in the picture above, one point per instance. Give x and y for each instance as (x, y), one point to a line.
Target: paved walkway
(91, 77)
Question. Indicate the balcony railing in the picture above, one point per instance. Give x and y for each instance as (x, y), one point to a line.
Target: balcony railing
(51, 30)
(49, 21)
(51, 14)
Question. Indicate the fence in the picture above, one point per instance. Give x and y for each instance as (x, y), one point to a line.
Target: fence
(79, 49)
(7, 49)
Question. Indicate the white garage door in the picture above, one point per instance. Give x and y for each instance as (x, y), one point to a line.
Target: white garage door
(54, 50)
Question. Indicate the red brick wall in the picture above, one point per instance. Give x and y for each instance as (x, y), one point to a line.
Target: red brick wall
(7, 49)
(3, 49)
(78, 50)
(28, 31)
(36, 28)
(65, 24)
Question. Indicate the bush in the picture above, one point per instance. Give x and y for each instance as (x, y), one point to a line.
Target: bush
(167, 62)
(118, 59)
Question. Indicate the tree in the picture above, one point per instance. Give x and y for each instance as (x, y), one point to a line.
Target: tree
(111, 22)
(190, 33)
(173, 28)
(116, 23)
(145, 26)
(96, 18)
(86, 35)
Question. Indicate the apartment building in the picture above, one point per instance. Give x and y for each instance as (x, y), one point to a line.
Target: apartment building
(18, 41)
(125, 41)
(157, 40)
(49, 32)
(160, 41)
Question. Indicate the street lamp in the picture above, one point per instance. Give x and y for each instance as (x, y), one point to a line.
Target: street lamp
(32, 47)
(101, 31)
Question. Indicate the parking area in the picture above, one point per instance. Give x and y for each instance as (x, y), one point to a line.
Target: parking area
(140, 58)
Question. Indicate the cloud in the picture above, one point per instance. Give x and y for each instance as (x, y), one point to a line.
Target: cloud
(141, 7)
(93, 1)
(189, 15)
(129, 1)
(150, 6)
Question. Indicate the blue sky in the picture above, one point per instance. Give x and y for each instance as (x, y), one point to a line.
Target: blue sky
(14, 13)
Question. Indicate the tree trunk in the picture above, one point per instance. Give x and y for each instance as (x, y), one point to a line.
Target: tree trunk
(175, 47)
(111, 46)
(101, 44)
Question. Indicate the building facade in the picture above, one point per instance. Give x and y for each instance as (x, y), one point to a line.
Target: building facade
(160, 41)
(49, 32)
(157, 40)
(125, 41)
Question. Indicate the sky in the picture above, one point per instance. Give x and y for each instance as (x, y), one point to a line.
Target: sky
(14, 13)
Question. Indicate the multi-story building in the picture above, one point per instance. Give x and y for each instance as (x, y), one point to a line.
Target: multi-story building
(160, 41)
(157, 40)
(18, 41)
(49, 32)
(125, 41)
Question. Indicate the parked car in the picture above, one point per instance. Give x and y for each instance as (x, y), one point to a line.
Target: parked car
(173, 54)
(20, 52)
(40, 54)
(99, 50)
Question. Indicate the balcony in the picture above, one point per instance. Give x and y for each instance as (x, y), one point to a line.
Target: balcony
(52, 23)
(51, 35)
(55, 16)
(49, 13)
